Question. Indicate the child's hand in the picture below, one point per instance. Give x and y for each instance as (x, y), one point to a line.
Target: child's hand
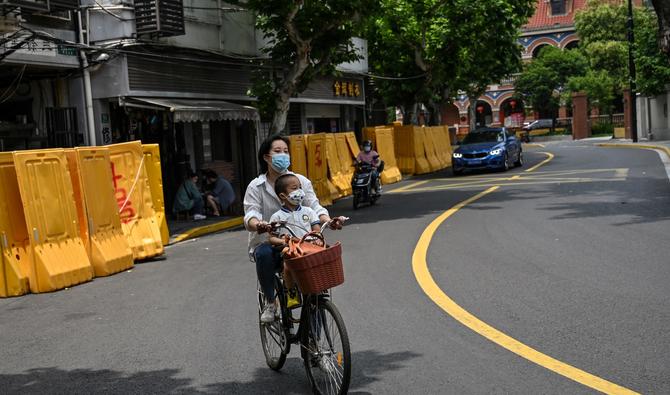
(337, 222)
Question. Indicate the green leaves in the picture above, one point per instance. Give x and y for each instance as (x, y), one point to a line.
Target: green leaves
(454, 44)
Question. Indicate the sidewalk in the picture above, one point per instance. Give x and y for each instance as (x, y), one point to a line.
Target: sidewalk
(181, 230)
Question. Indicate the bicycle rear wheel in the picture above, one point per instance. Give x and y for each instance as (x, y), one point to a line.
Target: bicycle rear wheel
(327, 356)
(273, 335)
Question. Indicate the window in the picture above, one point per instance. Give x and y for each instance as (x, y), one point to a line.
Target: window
(558, 7)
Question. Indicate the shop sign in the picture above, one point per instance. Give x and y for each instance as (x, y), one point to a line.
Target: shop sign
(346, 89)
(34, 46)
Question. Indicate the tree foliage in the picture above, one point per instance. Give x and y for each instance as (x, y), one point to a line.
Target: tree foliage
(547, 76)
(305, 39)
(602, 26)
(438, 46)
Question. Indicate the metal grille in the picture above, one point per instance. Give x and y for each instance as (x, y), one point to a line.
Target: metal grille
(161, 18)
(477, 155)
(62, 131)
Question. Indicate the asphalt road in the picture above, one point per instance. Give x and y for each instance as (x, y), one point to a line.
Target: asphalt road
(571, 259)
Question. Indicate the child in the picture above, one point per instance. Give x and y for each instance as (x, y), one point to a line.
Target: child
(301, 220)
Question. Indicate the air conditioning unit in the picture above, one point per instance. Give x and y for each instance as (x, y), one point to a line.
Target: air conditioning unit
(159, 18)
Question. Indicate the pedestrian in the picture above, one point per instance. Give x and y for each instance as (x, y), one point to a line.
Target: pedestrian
(220, 194)
(188, 198)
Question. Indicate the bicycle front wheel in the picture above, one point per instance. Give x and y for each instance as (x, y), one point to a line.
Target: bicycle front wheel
(273, 336)
(327, 356)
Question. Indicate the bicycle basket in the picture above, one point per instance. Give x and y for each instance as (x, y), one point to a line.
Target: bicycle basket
(318, 271)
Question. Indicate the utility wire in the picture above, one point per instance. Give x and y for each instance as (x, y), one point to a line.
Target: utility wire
(113, 14)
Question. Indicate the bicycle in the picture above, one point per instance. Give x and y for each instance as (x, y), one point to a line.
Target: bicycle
(321, 334)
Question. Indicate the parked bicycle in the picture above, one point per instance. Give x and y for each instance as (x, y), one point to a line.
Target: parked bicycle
(320, 332)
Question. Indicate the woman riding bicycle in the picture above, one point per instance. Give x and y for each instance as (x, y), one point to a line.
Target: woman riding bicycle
(261, 201)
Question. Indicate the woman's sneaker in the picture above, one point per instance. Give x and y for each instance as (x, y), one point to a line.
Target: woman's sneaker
(269, 313)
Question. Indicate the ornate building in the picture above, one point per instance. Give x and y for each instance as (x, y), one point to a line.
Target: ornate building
(552, 24)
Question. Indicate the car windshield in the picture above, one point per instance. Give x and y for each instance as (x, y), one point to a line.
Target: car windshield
(484, 136)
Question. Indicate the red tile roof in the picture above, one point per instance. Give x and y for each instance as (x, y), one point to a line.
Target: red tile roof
(543, 18)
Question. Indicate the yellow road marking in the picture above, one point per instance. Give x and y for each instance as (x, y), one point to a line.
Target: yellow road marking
(406, 187)
(559, 181)
(550, 157)
(433, 291)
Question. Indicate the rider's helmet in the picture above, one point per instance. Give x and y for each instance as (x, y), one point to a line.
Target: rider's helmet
(367, 145)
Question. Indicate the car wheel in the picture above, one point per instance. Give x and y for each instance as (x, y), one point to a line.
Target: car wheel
(519, 160)
(456, 172)
(505, 162)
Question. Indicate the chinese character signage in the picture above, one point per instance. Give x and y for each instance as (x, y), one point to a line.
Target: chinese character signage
(346, 89)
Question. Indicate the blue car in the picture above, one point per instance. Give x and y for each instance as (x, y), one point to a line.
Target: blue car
(487, 148)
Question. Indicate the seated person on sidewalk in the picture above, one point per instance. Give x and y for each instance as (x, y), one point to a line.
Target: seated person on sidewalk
(220, 194)
(300, 219)
(188, 198)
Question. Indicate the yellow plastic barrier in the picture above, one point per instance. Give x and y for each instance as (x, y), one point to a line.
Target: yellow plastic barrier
(403, 137)
(134, 201)
(346, 158)
(444, 149)
(298, 153)
(429, 147)
(421, 164)
(386, 150)
(59, 257)
(16, 255)
(100, 226)
(152, 163)
(317, 167)
(337, 177)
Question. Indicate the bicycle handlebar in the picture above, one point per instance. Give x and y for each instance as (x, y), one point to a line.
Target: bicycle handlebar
(274, 226)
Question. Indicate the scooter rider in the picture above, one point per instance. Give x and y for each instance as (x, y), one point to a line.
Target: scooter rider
(371, 157)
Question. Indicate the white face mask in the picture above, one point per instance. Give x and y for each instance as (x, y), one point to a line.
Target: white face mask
(296, 197)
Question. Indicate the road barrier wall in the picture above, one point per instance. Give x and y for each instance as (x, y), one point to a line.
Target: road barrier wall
(346, 158)
(99, 221)
(317, 167)
(152, 164)
(16, 254)
(133, 197)
(298, 151)
(384, 141)
(59, 257)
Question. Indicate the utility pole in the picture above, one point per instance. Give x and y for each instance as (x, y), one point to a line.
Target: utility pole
(631, 72)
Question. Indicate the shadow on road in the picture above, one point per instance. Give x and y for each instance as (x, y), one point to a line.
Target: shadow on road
(368, 367)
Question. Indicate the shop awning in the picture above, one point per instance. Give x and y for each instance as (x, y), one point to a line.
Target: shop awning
(186, 110)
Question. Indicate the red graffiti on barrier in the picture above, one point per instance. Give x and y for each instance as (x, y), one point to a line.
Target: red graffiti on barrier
(317, 155)
(126, 213)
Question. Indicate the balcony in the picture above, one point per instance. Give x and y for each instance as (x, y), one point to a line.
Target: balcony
(41, 5)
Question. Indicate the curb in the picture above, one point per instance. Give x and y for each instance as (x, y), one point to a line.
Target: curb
(207, 229)
(639, 146)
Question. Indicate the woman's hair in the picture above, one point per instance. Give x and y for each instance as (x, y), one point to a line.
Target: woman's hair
(191, 174)
(281, 183)
(209, 173)
(265, 147)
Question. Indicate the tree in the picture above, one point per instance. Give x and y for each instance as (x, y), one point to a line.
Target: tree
(542, 80)
(430, 43)
(598, 87)
(662, 8)
(306, 39)
(601, 27)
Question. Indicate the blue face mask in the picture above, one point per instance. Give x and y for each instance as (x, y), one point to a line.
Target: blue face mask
(281, 162)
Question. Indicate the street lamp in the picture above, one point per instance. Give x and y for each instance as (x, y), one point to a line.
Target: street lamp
(631, 71)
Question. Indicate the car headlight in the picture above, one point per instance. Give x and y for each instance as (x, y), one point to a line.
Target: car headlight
(496, 152)
(458, 155)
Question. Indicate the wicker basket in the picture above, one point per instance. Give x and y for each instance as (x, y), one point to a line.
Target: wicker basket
(319, 271)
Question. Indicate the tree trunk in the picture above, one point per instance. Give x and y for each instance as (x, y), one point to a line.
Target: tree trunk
(287, 90)
(281, 112)
(472, 115)
(436, 114)
(662, 8)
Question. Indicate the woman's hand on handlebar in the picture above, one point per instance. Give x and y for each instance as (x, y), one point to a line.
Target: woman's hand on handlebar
(263, 227)
(337, 223)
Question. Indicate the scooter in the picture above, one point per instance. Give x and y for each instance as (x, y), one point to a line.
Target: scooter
(361, 184)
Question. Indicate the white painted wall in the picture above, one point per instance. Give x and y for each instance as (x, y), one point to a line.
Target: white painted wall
(654, 116)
